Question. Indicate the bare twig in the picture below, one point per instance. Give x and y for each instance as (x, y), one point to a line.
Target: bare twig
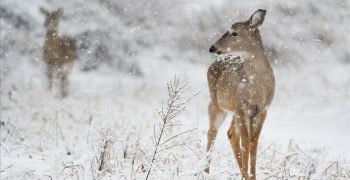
(177, 135)
(174, 107)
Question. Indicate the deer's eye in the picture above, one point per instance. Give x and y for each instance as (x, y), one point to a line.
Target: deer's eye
(234, 34)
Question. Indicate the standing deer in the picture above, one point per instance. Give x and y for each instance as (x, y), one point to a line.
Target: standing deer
(59, 52)
(241, 82)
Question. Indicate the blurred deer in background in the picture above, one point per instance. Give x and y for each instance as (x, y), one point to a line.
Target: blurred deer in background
(59, 52)
(241, 82)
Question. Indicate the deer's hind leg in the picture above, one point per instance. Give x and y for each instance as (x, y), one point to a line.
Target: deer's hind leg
(216, 118)
(257, 123)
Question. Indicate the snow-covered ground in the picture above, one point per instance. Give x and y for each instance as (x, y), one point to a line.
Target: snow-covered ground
(115, 93)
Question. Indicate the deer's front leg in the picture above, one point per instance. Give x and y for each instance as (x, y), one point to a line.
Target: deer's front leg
(49, 74)
(259, 120)
(245, 144)
(234, 138)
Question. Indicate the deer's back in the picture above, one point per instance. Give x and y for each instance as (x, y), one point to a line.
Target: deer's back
(241, 84)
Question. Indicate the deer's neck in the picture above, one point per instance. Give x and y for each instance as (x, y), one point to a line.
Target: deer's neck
(255, 50)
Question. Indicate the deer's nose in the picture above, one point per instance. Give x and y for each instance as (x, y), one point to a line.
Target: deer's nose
(212, 49)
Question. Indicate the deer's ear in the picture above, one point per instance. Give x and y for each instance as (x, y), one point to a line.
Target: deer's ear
(257, 18)
(60, 11)
(43, 11)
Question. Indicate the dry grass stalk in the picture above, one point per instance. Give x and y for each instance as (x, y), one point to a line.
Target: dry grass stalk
(104, 156)
(74, 171)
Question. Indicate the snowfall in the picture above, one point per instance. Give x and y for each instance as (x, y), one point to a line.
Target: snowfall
(129, 50)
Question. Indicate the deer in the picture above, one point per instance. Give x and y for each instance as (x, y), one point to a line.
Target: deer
(59, 53)
(241, 83)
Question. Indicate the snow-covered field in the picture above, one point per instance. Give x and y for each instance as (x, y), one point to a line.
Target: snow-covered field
(115, 92)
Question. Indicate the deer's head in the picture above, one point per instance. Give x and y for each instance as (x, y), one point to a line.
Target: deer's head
(242, 36)
(51, 18)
